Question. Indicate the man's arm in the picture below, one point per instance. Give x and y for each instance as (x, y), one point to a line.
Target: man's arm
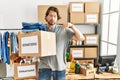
(77, 34)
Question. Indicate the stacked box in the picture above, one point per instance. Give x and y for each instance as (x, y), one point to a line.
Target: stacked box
(76, 10)
(91, 39)
(92, 7)
(91, 18)
(77, 52)
(91, 52)
(92, 12)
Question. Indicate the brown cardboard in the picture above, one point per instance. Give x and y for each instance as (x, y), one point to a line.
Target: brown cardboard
(87, 72)
(62, 10)
(77, 18)
(91, 39)
(83, 61)
(76, 7)
(17, 71)
(92, 18)
(91, 52)
(39, 43)
(89, 61)
(92, 7)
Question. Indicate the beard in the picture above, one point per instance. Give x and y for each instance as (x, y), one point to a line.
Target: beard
(51, 22)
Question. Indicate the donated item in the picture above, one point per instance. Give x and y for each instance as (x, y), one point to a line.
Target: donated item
(79, 42)
(77, 67)
(72, 67)
(29, 27)
(115, 69)
(90, 66)
(74, 42)
(62, 11)
(39, 44)
(67, 56)
(25, 71)
(15, 58)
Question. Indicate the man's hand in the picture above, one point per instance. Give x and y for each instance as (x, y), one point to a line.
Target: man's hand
(68, 25)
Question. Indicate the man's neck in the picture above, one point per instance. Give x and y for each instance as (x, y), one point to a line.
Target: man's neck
(50, 27)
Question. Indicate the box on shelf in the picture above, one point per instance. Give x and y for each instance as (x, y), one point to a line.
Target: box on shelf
(77, 52)
(77, 18)
(62, 10)
(25, 71)
(91, 18)
(91, 52)
(91, 39)
(92, 7)
(76, 7)
(39, 43)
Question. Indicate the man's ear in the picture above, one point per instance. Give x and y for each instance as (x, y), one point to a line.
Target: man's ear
(45, 19)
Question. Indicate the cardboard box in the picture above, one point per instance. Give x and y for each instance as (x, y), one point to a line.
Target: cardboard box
(62, 10)
(77, 18)
(91, 39)
(90, 61)
(91, 52)
(25, 71)
(77, 52)
(87, 72)
(92, 7)
(76, 7)
(91, 18)
(39, 43)
(86, 61)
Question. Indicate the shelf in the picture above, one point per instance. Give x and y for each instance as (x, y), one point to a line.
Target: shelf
(71, 46)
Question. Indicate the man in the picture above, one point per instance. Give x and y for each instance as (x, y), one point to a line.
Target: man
(55, 65)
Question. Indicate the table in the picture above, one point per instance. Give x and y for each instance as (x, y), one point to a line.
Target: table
(73, 76)
(106, 75)
(103, 76)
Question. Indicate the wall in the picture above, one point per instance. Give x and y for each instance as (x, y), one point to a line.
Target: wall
(13, 12)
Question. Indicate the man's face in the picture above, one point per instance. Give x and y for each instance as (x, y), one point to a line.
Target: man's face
(51, 18)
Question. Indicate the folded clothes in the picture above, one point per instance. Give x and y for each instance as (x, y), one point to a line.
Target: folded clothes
(29, 30)
(32, 26)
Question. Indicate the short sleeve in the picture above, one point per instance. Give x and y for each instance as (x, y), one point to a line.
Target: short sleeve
(70, 33)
